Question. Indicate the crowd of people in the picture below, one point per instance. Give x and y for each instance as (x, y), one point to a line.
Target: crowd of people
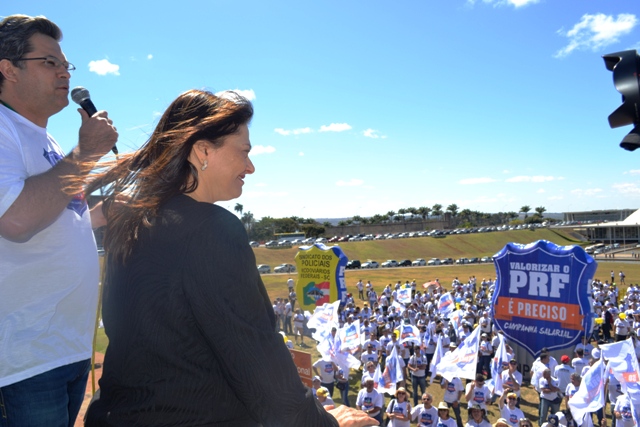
(472, 404)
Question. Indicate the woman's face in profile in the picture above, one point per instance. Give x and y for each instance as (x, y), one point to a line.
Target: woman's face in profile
(227, 166)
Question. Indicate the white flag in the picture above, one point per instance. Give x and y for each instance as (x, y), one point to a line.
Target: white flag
(446, 305)
(497, 363)
(408, 333)
(350, 335)
(323, 319)
(461, 363)
(386, 381)
(590, 395)
(437, 357)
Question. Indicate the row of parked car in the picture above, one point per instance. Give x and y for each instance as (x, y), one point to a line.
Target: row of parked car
(282, 268)
(419, 262)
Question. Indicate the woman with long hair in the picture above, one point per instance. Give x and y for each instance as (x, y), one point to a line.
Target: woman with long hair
(191, 330)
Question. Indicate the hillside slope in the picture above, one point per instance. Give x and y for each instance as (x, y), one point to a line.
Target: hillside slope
(465, 245)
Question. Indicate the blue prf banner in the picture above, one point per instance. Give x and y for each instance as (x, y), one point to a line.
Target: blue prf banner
(541, 297)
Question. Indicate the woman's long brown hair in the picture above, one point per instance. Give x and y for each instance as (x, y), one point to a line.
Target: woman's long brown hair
(160, 169)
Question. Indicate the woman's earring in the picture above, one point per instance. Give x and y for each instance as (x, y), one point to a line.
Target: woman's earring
(204, 165)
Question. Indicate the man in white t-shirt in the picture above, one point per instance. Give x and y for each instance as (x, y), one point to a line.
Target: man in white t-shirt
(477, 393)
(327, 371)
(508, 409)
(370, 401)
(48, 258)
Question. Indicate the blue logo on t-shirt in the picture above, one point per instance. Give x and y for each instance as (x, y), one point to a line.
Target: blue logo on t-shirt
(78, 204)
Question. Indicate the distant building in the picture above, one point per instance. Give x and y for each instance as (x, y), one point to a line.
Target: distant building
(625, 230)
(607, 215)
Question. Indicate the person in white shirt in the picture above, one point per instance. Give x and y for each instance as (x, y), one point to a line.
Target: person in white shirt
(370, 401)
(508, 409)
(360, 287)
(622, 327)
(453, 391)
(418, 368)
(477, 393)
(572, 387)
(322, 394)
(399, 409)
(477, 417)
(426, 414)
(539, 365)
(327, 371)
(563, 372)
(549, 395)
(444, 420)
(623, 412)
(579, 362)
(512, 378)
(369, 355)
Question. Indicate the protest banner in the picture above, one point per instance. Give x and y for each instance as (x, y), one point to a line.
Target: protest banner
(462, 361)
(302, 361)
(320, 275)
(541, 296)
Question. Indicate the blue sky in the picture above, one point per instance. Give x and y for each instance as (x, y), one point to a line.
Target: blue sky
(362, 107)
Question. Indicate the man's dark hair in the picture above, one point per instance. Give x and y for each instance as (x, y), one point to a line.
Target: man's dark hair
(15, 32)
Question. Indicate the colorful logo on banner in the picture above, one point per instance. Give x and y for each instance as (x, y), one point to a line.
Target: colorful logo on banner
(542, 294)
(404, 294)
(320, 275)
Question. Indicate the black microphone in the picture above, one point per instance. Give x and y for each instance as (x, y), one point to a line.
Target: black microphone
(81, 96)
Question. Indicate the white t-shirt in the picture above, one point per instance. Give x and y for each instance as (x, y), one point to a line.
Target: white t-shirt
(326, 370)
(368, 401)
(49, 285)
(511, 415)
(452, 391)
(425, 417)
(401, 408)
(480, 395)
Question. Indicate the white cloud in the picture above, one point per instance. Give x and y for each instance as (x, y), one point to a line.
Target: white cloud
(594, 32)
(589, 192)
(301, 154)
(515, 3)
(299, 131)
(103, 67)
(150, 56)
(335, 127)
(261, 149)
(483, 180)
(372, 133)
(353, 183)
(249, 93)
(536, 178)
(540, 191)
(627, 188)
(633, 172)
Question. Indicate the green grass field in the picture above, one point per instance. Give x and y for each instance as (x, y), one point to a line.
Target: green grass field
(472, 245)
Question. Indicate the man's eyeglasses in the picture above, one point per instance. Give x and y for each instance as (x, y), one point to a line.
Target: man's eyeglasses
(51, 62)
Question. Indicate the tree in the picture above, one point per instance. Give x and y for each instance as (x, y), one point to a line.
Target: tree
(453, 209)
(424, 212)
(412, 211)
(402, 212)
(239, 209)
(436, 210)
(540, 210)
(248, 221)
(525, 210)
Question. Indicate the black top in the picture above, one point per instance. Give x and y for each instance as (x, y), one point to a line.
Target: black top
(191, 330)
